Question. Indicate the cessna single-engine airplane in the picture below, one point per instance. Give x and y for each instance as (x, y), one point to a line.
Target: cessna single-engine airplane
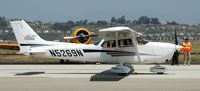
(120, 45)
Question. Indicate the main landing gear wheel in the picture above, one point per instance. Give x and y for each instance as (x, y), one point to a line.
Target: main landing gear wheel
(122, 74)
(158, 69)
(122, 69)
(62, 61)
(130, 67)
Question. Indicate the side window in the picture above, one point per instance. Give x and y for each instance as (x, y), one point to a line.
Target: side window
(125, 43)
(109, 44)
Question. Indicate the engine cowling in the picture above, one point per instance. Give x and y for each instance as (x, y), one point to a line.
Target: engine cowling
(83, 36)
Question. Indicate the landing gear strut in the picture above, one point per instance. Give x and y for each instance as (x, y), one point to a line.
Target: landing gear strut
(158, 69)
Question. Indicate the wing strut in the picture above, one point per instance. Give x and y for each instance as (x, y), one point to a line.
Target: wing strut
(136, 48)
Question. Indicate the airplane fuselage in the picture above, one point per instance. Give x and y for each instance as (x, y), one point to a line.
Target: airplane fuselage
(152, 52)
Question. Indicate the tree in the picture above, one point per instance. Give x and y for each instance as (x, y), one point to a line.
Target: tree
(100, 22)
(3, 22)
(85, 22)
(79, 23)
(128, 21)
(154, 21)
(134, 22)
(70, 24)
(113, 20)
(144, 20)
(92, 23)
(122, 20)
(58, 26)
(172, 23)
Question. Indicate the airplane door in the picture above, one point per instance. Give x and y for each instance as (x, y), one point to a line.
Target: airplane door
(147, 53)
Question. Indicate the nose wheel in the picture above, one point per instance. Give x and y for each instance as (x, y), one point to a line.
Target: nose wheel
(158, 69)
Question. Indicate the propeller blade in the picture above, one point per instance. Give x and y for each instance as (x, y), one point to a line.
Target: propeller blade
(176, 39)
(70, 38)
(175, 57)
(82, 37)
(93, 34)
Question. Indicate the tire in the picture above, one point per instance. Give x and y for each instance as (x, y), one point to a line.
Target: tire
(122, 74)
(62, 61)
(160, 72)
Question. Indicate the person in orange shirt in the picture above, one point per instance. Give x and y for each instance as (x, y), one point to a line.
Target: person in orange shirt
(187, 48)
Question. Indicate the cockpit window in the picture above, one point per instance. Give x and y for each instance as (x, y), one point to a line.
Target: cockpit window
(109, 44)
(141, 41)
(125, 43)
(97, 43)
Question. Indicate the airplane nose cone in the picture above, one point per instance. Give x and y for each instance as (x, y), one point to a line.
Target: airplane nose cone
(178, 47)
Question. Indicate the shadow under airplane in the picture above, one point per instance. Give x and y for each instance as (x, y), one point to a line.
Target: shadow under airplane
(107, 76)
(103, 76)
(29, 73)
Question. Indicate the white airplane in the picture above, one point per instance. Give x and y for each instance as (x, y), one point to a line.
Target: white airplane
(120, 45)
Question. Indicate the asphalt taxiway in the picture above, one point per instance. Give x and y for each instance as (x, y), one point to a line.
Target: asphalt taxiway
(96, 78)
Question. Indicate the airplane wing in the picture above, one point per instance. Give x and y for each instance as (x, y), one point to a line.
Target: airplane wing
(116, 33)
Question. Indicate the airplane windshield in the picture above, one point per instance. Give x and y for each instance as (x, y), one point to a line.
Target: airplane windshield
(97, 43)
(142, 41)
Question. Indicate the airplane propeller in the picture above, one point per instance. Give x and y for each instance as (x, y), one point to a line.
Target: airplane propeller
(177, 47)
(82, 37)
(176, 38)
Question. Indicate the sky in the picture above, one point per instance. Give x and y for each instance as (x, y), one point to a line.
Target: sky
(182, 11)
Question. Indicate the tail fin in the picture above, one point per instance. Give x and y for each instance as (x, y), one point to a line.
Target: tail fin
(25, 35)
